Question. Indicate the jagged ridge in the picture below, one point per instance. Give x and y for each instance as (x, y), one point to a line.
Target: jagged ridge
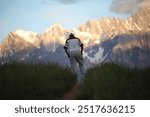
(105, 39)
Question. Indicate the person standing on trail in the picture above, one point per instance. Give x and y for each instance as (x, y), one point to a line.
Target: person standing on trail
(74, 50)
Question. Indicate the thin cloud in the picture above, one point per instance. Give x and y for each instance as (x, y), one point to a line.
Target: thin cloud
(128, 6)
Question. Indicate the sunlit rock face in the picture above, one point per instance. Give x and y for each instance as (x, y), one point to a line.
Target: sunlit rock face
(123, 41)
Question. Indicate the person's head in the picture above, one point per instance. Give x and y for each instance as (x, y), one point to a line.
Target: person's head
(71, 35)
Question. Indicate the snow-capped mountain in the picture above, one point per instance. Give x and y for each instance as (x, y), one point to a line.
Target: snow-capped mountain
(28, 36)
(123, 41)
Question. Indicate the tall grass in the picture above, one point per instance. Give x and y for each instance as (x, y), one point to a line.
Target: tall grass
(34, 81)
(110, 81)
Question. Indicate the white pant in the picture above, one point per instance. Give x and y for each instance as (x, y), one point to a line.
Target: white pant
(76, 57)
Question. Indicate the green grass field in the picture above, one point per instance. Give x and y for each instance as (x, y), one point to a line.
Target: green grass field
(34, 81)
(51, 81)
(110, 81)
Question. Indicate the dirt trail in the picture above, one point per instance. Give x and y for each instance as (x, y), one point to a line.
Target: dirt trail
(71, 94)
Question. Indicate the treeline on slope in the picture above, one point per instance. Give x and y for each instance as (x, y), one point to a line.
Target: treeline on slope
(113, 82)
(34, 81)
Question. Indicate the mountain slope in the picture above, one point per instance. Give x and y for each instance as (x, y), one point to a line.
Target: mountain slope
(126, 42)
(123, 41)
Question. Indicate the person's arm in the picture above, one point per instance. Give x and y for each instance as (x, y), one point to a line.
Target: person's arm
(65, 48)
(82, 47)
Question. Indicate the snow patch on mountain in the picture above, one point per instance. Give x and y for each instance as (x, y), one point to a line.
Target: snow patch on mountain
(94, 56)
(27, 35)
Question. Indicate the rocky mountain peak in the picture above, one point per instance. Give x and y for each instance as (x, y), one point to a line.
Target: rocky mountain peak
(142, 18)
(123, 41)
(56, 33)
(55, 28)
(26, 35)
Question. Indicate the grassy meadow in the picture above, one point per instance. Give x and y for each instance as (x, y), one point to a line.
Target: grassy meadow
(34, 81)
(113, 82)
(51, 81)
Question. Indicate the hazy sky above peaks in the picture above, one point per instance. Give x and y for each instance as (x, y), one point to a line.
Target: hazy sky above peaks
(38, 15)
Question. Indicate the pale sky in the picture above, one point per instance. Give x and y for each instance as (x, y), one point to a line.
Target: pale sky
(38, 15)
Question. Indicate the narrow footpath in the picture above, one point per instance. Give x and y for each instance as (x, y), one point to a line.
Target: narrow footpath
(71, 94)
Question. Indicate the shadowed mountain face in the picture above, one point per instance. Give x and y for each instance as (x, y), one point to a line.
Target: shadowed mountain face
(123, 41)
(128, 50)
